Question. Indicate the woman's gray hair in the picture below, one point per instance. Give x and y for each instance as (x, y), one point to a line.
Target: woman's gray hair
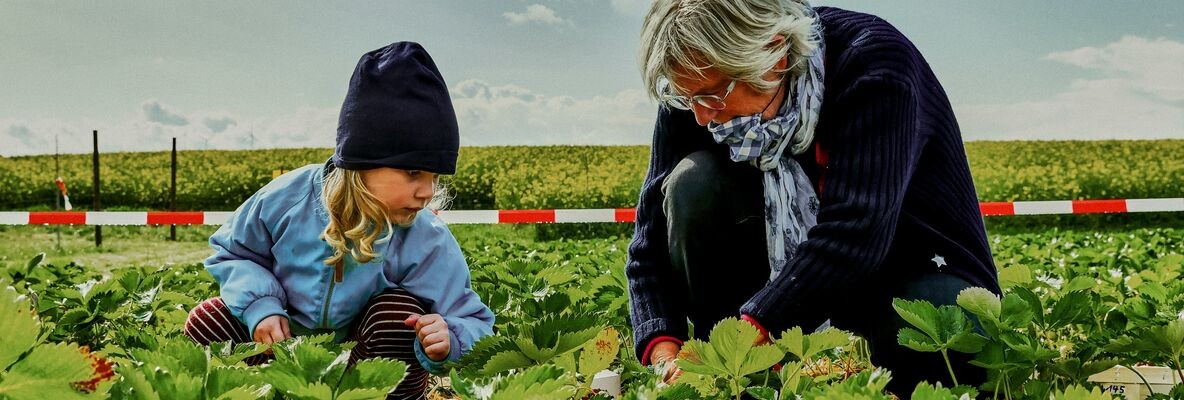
(734, 36)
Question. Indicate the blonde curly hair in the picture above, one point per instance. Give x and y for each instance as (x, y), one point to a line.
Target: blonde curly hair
(357, 218)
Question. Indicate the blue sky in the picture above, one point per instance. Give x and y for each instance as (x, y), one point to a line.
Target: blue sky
(265, 74)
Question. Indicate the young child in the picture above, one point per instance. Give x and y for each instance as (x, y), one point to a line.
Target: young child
(348, 247)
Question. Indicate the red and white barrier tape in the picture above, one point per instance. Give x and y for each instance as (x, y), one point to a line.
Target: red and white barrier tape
(554, 216)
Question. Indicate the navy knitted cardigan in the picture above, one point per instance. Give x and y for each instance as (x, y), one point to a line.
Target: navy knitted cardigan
(897, 190)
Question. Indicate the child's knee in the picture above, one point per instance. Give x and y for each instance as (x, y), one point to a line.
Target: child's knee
(210, 321)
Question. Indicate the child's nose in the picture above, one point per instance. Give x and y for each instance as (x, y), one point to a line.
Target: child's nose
(424, 190)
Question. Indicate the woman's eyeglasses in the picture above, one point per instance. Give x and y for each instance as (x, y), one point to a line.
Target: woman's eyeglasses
(709, 101)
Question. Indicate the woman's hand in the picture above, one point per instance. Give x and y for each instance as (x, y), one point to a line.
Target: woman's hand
(433, 335)
(664, 356)
(272, 329)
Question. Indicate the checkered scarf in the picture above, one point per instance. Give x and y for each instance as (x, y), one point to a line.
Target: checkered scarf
(791, 206)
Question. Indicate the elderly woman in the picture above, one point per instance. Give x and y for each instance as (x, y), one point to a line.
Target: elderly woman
(806, 166)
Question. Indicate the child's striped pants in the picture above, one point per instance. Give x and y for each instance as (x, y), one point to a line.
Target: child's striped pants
(379, 332)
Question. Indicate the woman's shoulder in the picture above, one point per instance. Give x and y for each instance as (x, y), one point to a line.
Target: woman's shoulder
(860, 44)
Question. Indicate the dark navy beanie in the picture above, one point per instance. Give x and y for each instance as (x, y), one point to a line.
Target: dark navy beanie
(397, 114)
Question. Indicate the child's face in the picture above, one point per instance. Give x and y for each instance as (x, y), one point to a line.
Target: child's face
(402, 192)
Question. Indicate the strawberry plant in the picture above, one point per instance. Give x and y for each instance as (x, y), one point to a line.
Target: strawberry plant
(938, 329)
(33, 369)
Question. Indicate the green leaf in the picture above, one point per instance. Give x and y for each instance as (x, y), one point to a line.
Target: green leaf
(1079, 283)
(699, 357)
(1074, 392)
(1034, 305)
(312, 391)
(556, 335)
(599, 353)
(376, 373)
(732, 338)
(306, 358)
(926, 391)
(193, 358)
(762, 393)
(76, 316)
(1016, 313)
(224, 380)
(791, 379)
(175, 385)
(981, 302)
(704, 386)
(20, 329)
(805, 347)
(920, 314)
(567, 361)
(465, 389)
(760, 358)
(544, 382)
(34, 262)
(793, 342)
(1078, 370)
(136, 384)
(505, 361)
(1165, 341)
(157, 360)
(678, 391)
(948, 328)
(246, 393)
(362, 394)
(283, 377)
(967, 342)
(916, 340)
(228, 353)
(1074, 307)
(1018, 275)
(47, 372)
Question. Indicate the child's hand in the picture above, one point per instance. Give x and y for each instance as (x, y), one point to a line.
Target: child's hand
(433, 334)
(272, 329)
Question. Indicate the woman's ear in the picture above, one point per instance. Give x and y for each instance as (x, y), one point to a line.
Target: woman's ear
(778, 42)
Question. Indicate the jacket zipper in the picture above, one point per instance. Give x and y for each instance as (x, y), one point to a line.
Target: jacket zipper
(338, 276)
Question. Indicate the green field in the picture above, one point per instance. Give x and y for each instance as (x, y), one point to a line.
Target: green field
(1083, 293)
(526, 177)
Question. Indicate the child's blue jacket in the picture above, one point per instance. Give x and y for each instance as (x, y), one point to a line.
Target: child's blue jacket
(269, 260)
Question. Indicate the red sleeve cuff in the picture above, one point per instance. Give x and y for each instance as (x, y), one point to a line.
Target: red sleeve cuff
(645, 355)
(764, 332)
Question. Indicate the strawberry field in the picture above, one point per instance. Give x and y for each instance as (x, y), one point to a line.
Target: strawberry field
(1102, 293)
(1075, 304)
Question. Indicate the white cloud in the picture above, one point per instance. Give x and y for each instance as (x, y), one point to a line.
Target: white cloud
(487, 114)
(1139, 94)
(1155, 67)
(304, 127)
(536, 13)
(512, 115)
